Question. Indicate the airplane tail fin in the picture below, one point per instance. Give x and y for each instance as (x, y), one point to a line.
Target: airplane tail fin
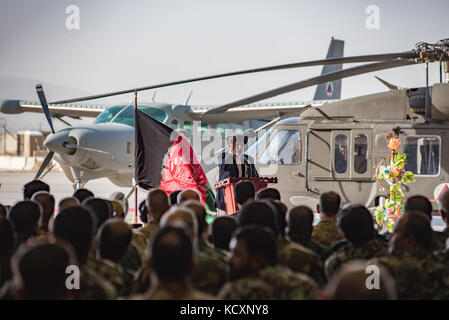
(331, 90)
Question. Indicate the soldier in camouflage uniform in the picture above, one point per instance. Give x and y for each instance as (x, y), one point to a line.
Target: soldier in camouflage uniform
(255, 271)
(357, 225)
(417, 273)
(299, 229)
(75, 225)
(171, 261)
(326, 231)
(422, 204)
(156, 204)
(114, 237)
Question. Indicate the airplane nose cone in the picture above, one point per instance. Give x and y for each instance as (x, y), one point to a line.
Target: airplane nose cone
(57, 142)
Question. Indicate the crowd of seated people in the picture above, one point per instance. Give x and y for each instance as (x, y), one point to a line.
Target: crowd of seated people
(264, 251)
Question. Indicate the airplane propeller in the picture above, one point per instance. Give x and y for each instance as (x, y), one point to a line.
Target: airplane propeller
(47, 160)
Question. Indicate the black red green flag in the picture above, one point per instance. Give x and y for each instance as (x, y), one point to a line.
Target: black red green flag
(164, 159)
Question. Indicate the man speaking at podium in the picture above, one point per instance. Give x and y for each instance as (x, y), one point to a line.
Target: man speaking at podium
(233, 163)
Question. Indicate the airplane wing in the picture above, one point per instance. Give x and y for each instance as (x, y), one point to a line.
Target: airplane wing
(58, 110)
(257, 111)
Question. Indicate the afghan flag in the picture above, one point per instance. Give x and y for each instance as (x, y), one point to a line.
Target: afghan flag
(164, 159)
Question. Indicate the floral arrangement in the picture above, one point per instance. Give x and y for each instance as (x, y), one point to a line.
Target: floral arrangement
(395, 175)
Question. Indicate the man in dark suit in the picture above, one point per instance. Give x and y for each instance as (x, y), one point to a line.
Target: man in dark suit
(233, 163)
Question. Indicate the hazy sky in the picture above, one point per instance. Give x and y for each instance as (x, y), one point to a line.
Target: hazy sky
(124, 44)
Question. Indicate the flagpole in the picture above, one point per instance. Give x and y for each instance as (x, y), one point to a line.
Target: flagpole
(134, 219)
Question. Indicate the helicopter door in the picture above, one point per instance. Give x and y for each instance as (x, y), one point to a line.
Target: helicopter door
(318, 156)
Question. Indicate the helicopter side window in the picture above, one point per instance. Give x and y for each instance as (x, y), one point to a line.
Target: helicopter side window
(360, 148)
(423, 155)
(341, 153)
(284, 148)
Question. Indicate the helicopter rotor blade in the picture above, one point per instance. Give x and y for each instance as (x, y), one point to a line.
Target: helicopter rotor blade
(41, 95)
(314, 81)
(354, 59)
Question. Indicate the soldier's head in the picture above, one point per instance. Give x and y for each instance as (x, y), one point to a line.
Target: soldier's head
(82, 194)
(329, 203)
(68, 202)
(443, 202)
(174, 197)
(39, 270)
(24, 216)
(268, 194)
(156, 204)
(47, 202)
(114, 238)
(252, 249)
(259, 213)
(100, 209)
(188, 194)
(221, 231)
(34, 186)
(356, 223)
(281, 212)
(185, 216)
(412, 234)
(300, 223)
(350, 282)
(7, 237)
(75, 225)
(3, 211)
(171, 254)
(419, 203)
(244, 190)
(200, 214)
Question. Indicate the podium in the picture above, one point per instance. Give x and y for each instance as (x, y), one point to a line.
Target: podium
(228, 188)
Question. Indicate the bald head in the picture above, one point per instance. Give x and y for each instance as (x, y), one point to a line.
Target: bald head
(114, 237)
(183, 215)
(299, 223)
(350, 283)
(188, 195)
(157, 204)
(67, 203)
(47, 202)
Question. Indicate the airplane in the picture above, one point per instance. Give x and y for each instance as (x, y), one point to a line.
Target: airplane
(106, 147)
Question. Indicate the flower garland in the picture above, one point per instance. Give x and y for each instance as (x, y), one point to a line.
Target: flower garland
(395, 175)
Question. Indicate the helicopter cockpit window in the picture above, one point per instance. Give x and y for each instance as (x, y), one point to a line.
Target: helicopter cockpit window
(127, 116)
(360, 149)
(423, 155)
(284, 148)
(341, 153)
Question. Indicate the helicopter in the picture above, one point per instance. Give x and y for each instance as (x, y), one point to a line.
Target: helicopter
(338, 146)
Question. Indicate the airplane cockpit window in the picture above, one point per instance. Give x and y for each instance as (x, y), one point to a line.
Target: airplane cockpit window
(254, 148)
(423, 155)
(284, 148)
(127, 116)
(360, 149)
(341, 153)
(108, 114)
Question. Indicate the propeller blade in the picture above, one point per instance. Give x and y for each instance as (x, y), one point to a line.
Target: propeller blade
(44, 164)
(354, 59)
(313, 81)
(41, 95)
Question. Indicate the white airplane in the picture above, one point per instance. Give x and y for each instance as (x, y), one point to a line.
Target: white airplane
(106, 147)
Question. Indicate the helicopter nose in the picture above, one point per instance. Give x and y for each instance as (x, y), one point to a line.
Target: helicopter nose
(57, 142)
